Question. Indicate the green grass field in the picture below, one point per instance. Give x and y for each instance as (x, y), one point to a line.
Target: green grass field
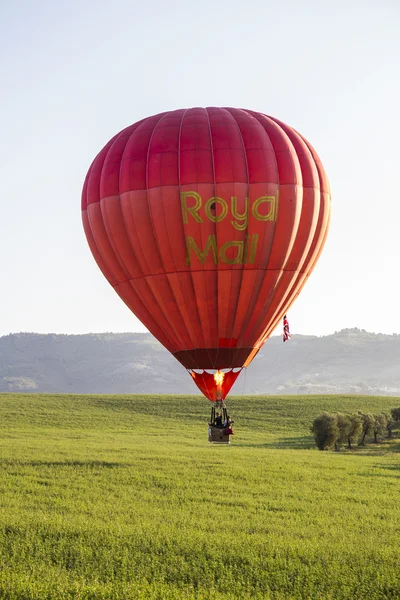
(116, 497)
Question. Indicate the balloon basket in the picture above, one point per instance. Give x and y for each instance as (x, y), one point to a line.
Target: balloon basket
(220, 424)
(216, 435)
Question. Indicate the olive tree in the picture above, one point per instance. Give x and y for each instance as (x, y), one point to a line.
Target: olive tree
(325, 430)
(390, 425)
(355, 429)
(367, 423)
(379, 425)
(394, 421)
(343, 425)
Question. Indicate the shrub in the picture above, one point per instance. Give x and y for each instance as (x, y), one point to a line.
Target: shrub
(325, 430)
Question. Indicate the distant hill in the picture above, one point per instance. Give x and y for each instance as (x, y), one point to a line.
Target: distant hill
(349, 361)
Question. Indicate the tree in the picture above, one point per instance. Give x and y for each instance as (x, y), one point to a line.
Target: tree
(395, 412)
(367, 423)
(325, 430)
(379, 425)
(343, 424)
(390, 425)
(355, 429)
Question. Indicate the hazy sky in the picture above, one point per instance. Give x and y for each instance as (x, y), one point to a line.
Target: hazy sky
(75, 73)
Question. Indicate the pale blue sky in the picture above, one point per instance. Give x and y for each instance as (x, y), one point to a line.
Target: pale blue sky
(75, 73)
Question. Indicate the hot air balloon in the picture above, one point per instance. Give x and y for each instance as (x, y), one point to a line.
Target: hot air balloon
(207, 222)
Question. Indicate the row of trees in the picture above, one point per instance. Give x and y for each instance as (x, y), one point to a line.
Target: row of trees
(336, 429)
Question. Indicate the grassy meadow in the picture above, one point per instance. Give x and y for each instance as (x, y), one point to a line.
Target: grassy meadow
(122, 497)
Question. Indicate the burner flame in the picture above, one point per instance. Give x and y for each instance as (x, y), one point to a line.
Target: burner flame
(219, 378)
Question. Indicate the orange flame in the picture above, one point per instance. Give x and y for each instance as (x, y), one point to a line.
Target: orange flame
(219, 378)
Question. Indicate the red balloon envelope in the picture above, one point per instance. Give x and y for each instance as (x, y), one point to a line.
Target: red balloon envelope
(207, 223)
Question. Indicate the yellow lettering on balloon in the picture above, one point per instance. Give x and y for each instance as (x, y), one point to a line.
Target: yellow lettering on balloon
(211, 244)
(253, 249)
(193, 210)
(272, 208)
(238, 259)
(214, 201)
(245, 251)
(239, 216)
